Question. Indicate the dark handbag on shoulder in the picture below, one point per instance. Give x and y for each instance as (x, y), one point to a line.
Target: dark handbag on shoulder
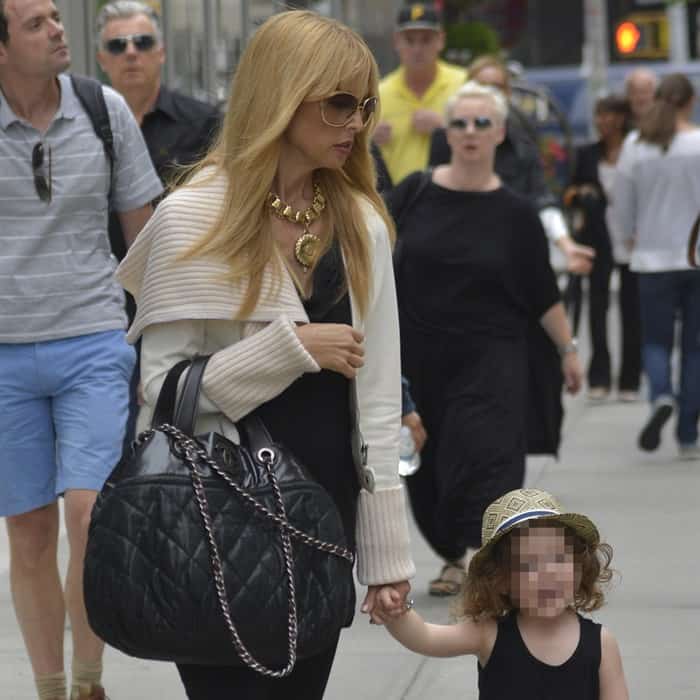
(203, 551)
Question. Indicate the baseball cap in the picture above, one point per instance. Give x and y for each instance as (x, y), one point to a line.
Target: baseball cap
(419, 15)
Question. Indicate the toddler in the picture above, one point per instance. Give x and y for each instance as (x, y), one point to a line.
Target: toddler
(537, 568)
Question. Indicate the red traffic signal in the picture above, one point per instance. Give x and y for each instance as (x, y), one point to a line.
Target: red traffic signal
(627, 36)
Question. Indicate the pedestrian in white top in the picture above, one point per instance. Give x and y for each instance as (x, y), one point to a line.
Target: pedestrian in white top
(656, 200)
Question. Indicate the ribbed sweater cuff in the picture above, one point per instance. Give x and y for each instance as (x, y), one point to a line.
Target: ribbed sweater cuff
(383, 545)
(252, 371)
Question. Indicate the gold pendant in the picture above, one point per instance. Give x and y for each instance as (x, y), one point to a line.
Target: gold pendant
(306, 248)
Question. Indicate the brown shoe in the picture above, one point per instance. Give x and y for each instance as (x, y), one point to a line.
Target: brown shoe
(449, 582)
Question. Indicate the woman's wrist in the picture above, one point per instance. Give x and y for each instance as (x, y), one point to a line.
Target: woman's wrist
(568, 348)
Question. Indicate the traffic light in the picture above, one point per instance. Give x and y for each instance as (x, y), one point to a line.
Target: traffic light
(642, 35)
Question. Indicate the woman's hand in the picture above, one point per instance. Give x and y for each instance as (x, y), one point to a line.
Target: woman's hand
(572, 371)
(334, 346)
(385, 601)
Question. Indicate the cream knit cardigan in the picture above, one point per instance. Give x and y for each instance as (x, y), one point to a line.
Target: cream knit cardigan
(187, 308)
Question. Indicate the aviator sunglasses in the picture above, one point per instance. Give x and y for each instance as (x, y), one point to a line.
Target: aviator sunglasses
(142, 42)
(480, 123)
(340, 108)
(42, 184)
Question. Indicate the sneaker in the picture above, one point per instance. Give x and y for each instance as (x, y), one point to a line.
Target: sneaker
(598, 393)
(689, 452)
(628, 396)
(661, 411)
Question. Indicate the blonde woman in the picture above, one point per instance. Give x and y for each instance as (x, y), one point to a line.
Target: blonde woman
(292, 308)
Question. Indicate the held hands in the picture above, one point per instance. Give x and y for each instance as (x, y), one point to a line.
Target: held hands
(386, 601)
(579, 258)
(425, 121)
(334, 346)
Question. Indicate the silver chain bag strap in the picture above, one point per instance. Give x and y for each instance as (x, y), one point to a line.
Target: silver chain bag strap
(268, 535)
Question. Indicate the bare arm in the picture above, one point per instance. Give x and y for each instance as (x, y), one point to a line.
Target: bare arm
(556, 325)
(133, 221)
(611, 673)
(466, 637)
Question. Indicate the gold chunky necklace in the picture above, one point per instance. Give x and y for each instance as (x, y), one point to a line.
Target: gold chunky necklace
(307, 245)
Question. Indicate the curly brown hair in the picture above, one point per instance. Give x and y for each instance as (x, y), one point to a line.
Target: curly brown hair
(486, 593)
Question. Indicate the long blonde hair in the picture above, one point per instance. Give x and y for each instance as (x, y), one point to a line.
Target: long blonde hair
(293, 57)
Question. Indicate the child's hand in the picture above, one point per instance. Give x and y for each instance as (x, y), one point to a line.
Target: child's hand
(385, 602)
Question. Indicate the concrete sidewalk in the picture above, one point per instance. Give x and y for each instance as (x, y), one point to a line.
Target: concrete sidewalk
(646, 506)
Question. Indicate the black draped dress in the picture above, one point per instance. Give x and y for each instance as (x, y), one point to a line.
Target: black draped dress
(473, 270)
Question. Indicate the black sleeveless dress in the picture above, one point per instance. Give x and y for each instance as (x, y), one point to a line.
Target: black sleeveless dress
(512, 671)
(312, 416)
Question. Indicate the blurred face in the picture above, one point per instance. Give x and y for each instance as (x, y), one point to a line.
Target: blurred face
(37, 46)
(543, 571)
(419, 49)
(608, 124)
(640, 93)
(474, 130)
(322, 133)
(493, 76)
(134, 62)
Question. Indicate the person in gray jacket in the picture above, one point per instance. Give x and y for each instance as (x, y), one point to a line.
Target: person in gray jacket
(656, 199)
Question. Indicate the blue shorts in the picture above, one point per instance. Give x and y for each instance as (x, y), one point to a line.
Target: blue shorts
(63, 410)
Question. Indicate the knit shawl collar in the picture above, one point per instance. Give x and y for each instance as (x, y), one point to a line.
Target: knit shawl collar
(167, 288)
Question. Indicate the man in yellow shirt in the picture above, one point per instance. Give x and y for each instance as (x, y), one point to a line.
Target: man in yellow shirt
(413, 96)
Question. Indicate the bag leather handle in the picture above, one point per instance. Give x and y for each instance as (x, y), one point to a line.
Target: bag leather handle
(182, 411)
(693, 258)
(188, 403)
(165, 405)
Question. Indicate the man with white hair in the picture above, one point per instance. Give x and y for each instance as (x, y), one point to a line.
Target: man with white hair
(177, 129)
(640, 87)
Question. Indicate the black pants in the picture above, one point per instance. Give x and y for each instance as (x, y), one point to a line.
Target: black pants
(599, 374)
(308, 680)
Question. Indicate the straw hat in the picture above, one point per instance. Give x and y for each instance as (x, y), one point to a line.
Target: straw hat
(519, 506)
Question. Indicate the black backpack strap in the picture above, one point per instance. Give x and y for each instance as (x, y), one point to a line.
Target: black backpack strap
(92, 98)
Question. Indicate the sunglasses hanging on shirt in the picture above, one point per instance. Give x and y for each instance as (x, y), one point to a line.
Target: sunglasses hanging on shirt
(141, 42)
(480, 123)
(42, 183)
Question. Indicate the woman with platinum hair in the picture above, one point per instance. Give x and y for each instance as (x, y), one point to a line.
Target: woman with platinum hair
(472, 269)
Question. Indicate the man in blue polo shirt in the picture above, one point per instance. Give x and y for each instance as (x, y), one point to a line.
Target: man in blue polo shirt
(64, 362)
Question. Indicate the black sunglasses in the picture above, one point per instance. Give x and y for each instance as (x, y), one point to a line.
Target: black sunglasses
(480, 123)
(142, 42)
(41, 183)
(339, 109)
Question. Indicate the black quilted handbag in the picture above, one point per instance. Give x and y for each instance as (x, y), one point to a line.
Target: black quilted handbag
(202, 551)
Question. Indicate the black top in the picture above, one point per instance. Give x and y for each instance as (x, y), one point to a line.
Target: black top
(513, 672)
(593, 204)
(312, 416)
(178, 131)
(518, 162)
(471, 262)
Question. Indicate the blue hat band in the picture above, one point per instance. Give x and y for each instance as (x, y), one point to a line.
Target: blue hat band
(522, 517)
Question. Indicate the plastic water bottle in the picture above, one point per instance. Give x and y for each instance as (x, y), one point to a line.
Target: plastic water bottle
(409, 457)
